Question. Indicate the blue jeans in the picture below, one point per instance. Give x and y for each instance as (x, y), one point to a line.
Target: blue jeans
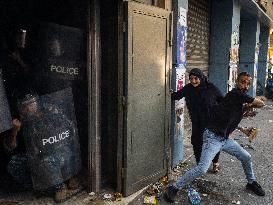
(212, 144)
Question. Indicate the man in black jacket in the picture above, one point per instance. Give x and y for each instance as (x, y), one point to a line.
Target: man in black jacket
(224, 120)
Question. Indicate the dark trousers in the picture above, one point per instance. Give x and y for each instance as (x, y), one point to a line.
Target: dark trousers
(197, 142)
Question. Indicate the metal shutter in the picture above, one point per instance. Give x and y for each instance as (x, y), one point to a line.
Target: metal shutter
(198, 35)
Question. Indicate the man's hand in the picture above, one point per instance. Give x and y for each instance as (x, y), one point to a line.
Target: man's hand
(257, 103)
(231, 135)
(16, 125)
(10, 142)
(262, 98)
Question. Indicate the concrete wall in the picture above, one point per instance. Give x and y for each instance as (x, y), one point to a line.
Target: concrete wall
(262, 60)
(249, 39)
(225, 18)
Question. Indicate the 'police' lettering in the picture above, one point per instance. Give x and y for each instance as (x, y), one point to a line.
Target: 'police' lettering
(64, 69)
(56, 138)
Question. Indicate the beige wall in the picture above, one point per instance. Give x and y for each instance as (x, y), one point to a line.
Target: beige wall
(165, 4)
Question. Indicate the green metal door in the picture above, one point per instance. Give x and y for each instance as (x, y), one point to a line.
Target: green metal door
(147, 116)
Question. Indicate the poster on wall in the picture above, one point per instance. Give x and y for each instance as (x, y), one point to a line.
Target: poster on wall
(180, 83)
(177, 149)
(257, 49)
(234, 60)
(233, 72)
(181, 37)
(255, 79)
(180, 78)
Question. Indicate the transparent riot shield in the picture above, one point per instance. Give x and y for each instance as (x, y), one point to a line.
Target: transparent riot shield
(5, 116)
(51, 137)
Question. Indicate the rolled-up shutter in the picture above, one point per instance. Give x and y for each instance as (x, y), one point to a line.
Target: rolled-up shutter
(198, 35)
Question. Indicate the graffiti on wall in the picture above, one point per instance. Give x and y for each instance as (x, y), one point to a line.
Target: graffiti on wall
(255, 74)
(179, 104)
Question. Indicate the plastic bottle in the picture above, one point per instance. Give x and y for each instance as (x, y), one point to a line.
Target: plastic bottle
(193, 196)
(149, 200)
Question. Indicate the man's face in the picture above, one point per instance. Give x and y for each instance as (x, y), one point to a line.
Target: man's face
(244, 83)
(55, 48)
(20, 39)
(194, 80)
(30, 110)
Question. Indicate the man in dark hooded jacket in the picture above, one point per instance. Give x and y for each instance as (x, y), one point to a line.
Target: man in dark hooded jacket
(200, 96)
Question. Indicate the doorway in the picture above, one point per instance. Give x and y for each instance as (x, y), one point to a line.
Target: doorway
(135, 56)
(37, 21)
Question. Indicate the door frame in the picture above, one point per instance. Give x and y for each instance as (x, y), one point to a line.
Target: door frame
(94, 108)
(121, 94)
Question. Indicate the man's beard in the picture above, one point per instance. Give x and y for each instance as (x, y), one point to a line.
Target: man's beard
(244, 90)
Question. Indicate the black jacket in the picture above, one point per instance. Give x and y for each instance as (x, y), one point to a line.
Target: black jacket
(199, 100)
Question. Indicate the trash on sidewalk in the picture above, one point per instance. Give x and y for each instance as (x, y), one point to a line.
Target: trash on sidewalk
(253, 134)
(117, 196)
(92, 193)
(183, 165)
(107, 196)
(164, 180)
(157, 188)
(178, 169)
(152, 190)
(9, 203)
(94, 198)
(91, 197)
(149, 200)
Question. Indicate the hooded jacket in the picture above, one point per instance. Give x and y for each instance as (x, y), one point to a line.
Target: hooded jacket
(200, 100)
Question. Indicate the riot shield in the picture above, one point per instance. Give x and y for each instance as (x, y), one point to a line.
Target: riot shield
(5, 116)
(51, 137)
(60, 51)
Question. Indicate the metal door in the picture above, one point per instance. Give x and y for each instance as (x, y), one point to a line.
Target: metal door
(147, 98)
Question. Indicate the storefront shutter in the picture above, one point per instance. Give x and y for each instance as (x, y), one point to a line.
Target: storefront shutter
(198, 35)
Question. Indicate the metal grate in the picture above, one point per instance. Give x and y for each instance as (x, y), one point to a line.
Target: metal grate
(198, 35)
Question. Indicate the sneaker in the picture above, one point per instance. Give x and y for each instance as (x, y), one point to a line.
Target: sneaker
(170, 194)
(256, 188)
(215, 168)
